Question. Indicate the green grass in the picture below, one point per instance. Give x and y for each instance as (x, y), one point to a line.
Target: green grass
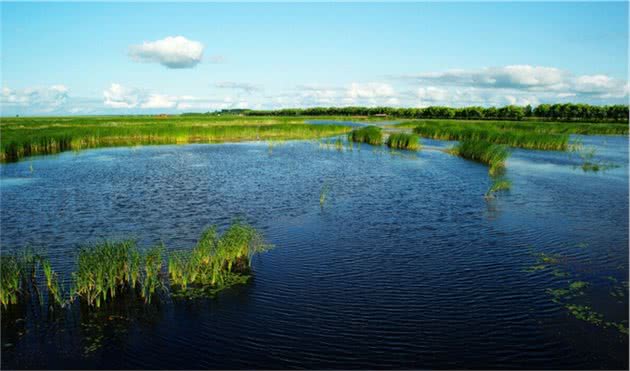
(493, 155)
(109, 269)
(539, 127)
(369, 134)
(215, 258)
(512, 136)
(499, 184)
(404, 141)
(22, 137)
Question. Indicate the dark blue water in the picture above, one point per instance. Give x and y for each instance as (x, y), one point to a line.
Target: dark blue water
(406, 265)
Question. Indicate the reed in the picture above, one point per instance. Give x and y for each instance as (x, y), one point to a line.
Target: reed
(55, 294)
(499, 184)
(151, 282)
(215, 258)
(510, 135)
(406, 141)
(369, 134)
(103, 270)
(493, 155)
(22, 137)
(17, 277)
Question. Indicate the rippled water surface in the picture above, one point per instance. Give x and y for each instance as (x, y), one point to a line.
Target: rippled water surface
(406, 265)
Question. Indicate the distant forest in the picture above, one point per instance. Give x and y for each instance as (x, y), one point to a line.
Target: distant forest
(556, 112)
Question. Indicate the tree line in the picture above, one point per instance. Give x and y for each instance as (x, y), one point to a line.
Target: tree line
(560, 112)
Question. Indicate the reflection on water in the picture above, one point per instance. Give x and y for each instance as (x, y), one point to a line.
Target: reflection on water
(406, 265)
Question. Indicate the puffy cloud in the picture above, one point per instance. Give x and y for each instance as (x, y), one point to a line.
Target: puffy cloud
(159, 101)
(241, 86)
(38, 99)
(432, 94)
(171, 52)
(118, 96)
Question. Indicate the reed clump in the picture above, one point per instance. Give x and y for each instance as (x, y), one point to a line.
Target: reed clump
(214, 259)
(493, 155)
(498, 184)
(17, 277)
(370, 134)
(512, 136)
(406, 141)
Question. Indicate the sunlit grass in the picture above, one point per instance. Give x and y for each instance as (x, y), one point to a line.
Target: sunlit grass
(369, 134)
(22, 137)
(406, 141)
(493, 155)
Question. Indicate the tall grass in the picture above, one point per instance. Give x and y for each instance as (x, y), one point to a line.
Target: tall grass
(404, 141)
(369, 134)
(511, 136)
(107, 270)
(37, 136)
(499, 184)
(541, 127)
(103, 270)
(17, 277)
(493, 155)
(215, 258)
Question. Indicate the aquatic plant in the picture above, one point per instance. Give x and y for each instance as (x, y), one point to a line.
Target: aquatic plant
(323, 194)
(369, 134)
(22, 137)
(55, 294)
(214, 259)
(487, 153)
(103, 270)
(499, 184)
(17, 277)
(515, 135)
(404, 141)
(150, 281)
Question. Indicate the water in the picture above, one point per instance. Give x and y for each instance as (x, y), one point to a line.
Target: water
(405, 266)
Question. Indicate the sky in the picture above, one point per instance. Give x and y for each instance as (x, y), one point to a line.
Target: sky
(134, 58)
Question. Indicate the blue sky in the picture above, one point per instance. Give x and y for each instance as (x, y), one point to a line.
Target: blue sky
(87, 58)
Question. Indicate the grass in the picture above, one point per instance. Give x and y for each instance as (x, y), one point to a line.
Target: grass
(513, 136)
(493, 155)
(370, 134)
(404, 141)
(215, 258)
(540, 127)
(107, 270)
(499, 184)
(22, 137)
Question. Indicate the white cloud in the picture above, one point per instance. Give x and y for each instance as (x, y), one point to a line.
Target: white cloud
(369, 90)
(118, 96)
(159, 101)
(171, 52)
(432, 94)
(37, 99)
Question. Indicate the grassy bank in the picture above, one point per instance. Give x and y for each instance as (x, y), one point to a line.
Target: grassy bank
(21, 137)
(108, 270)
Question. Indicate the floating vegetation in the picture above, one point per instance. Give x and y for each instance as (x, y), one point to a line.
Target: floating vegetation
(499, 184)
(369, 134)
(487, 153)
(575, 290)
(589, 164)
(406, 141)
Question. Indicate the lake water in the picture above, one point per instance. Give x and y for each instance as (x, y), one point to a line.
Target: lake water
(406, 265)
